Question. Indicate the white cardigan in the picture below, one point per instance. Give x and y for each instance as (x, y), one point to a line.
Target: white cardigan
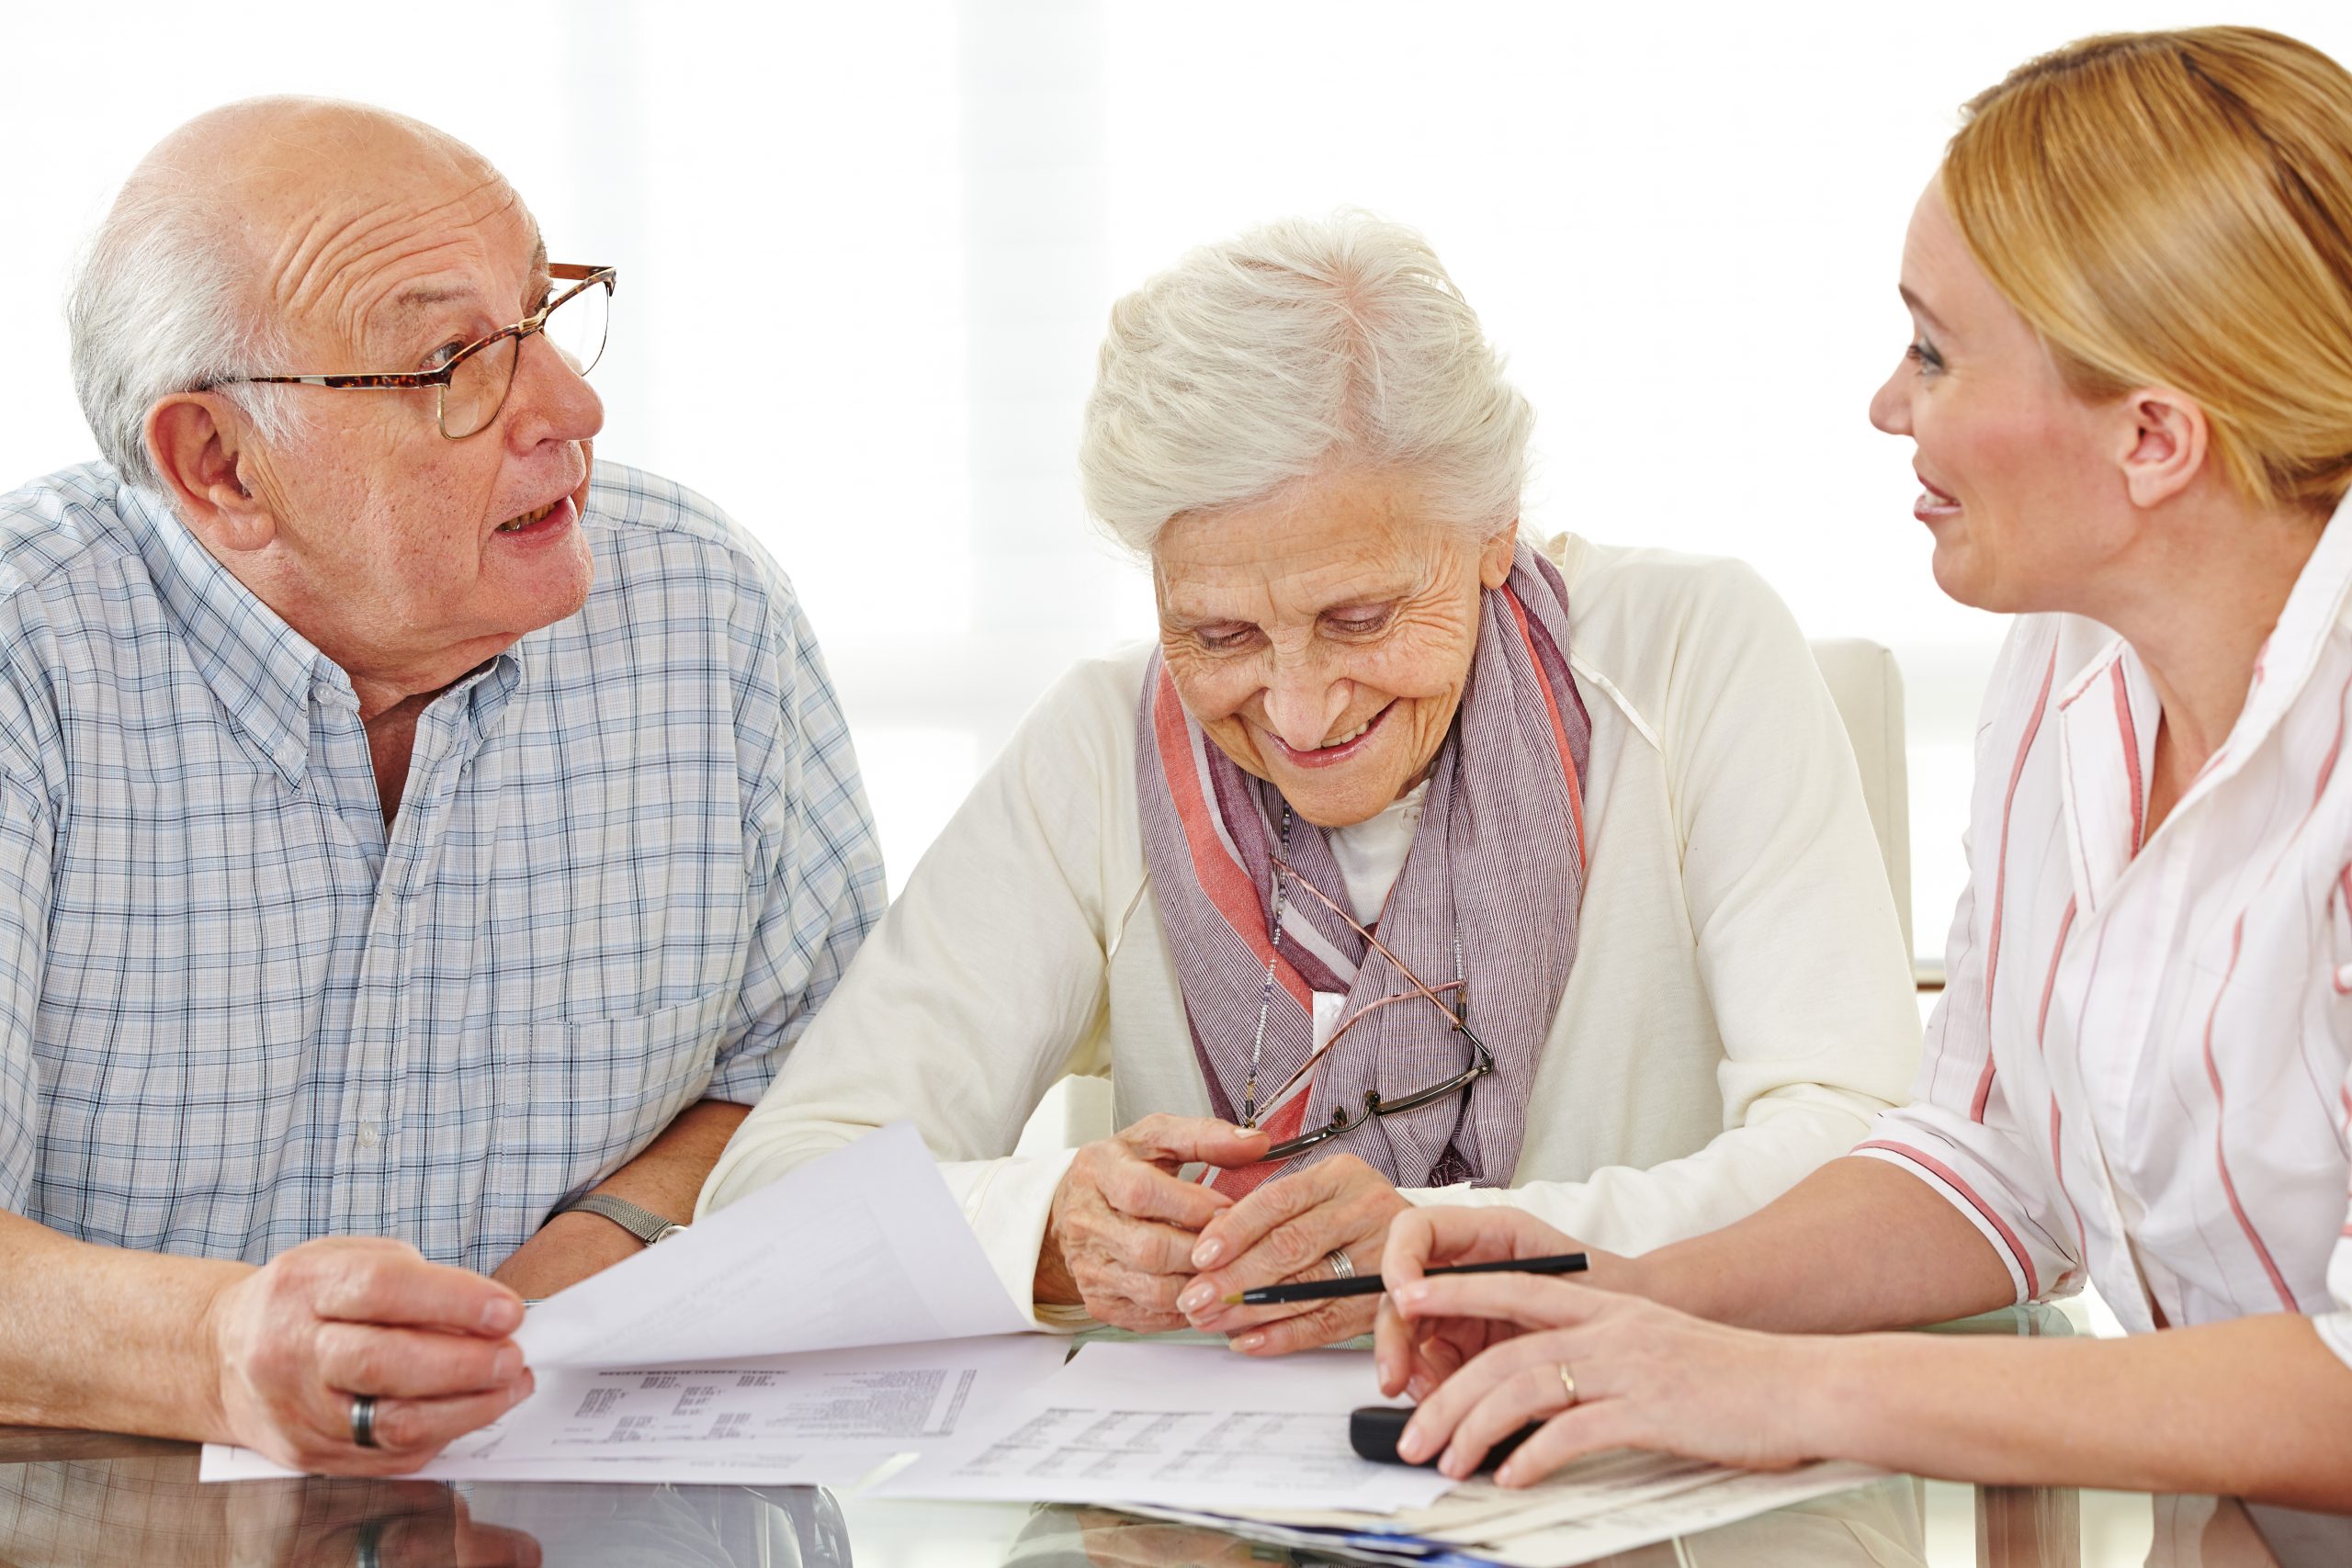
(1740, 1007)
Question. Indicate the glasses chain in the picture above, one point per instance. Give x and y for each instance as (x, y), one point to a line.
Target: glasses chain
(1273, 956)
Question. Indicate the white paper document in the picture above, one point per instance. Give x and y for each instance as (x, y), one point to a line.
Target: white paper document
(1727, 1498)
(883, 1400)
(1192, 1426)
(823, 1417)
(864, 1246)
(840, 1316)
(1608, 1504)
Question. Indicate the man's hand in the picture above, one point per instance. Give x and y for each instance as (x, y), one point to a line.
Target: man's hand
(295, 1341)
(1285, 1231)
(1120, 1236)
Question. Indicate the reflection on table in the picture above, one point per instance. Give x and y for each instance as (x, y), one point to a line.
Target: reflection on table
(86, 1499)
(147, 1509)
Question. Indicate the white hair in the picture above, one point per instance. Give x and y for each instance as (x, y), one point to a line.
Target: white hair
(162, 302)
(1299, 347)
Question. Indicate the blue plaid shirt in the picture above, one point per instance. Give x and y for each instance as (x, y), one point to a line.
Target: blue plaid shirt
(236, 1012)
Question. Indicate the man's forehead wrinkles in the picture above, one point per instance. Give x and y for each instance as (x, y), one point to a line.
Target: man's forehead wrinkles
(334, 253)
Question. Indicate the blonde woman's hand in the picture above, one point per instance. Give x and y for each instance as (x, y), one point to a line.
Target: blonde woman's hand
(1643, 1376)
(1414, 1355)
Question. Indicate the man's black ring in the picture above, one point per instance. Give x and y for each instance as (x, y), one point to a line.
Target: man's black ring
(363, 1420)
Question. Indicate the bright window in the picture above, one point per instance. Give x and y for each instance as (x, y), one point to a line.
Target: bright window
(1681, 222)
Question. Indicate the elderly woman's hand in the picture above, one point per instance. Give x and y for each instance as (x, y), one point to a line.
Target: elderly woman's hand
(1120, 1236)
(1287, 1230)
(1605, 1371)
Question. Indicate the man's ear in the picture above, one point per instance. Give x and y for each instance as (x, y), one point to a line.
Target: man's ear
(2164, 438)
(195, 441)
(1496, 555)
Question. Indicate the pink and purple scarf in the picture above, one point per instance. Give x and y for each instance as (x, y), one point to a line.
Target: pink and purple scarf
(1499, 857)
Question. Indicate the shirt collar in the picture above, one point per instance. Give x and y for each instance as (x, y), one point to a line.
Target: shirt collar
(262, 670)
(2291, 654)
(2281, 670)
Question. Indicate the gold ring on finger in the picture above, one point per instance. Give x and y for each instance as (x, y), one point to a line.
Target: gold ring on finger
(1567, 1384)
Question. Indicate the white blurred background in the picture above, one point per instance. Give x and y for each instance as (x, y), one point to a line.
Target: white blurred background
(866, 249)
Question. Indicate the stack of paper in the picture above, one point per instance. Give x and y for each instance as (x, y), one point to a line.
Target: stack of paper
(1609, 1503)
(1198, 1435)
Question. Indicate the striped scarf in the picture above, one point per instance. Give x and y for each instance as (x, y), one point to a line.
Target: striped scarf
(1498, 860)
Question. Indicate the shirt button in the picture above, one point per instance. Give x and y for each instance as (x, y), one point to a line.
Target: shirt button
(368, 1139)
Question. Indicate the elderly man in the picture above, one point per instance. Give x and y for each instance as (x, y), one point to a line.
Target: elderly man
(404, 836)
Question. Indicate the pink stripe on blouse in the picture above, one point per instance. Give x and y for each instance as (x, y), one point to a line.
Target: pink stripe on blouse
(1992, 1215)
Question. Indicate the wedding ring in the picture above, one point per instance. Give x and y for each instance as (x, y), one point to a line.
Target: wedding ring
(1342, 1267)
(363, 1420)
(1567, 1384)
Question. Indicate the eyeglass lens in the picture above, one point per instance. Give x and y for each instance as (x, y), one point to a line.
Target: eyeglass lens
(574, 328)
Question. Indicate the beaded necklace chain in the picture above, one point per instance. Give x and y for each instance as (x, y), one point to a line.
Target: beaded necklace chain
(1266, 996)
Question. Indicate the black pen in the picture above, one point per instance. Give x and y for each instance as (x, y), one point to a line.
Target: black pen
(1373, 1285)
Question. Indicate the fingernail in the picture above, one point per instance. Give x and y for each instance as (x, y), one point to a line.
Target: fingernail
(1249, 1342)
(1197, 1294)
(1417, 1387)
(1413, 1444)
(1205, 1255)
(502, 1315)
(1409, 1295)
(509, 1363)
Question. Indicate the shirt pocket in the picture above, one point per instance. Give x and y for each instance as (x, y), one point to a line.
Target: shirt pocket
(576, 1101)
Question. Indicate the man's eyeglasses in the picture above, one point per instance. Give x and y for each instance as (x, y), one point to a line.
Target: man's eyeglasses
(1456, 1015)
(473, 380)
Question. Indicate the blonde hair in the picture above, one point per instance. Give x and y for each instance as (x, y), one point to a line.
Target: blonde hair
(1299, 346)
(2175, 209)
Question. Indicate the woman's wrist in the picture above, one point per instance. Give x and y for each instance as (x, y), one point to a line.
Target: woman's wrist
(1610, 1272)
(1825, 1389)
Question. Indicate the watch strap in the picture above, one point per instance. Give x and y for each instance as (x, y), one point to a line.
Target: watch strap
(643, 1223)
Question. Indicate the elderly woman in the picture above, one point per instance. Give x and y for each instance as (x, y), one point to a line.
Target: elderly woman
(1414, 859)
(2129, 396)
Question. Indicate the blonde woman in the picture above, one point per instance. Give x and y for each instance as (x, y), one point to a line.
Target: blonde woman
(2130, 397)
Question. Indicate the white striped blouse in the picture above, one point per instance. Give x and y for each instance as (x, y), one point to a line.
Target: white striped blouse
(2139, 1069)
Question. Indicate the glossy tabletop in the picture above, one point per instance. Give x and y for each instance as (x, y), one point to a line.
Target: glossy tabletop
(84, 1498)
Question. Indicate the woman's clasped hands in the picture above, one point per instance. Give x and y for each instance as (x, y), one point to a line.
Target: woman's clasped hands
(1142, 1249)
(1485, 1354)
(1289, 1229)
(1120, 1236)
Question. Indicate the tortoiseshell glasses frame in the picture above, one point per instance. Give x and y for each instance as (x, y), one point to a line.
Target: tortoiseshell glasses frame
(488, 373)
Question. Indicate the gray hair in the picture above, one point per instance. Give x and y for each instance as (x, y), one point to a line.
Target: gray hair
(162, 302)
(1298, 346)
